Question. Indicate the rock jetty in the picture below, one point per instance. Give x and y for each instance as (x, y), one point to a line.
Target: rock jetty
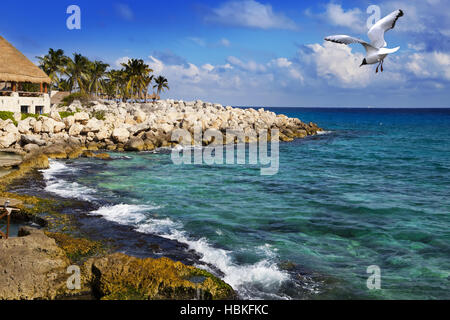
(118, 126)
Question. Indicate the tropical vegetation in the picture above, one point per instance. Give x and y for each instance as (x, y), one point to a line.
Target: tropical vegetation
(86, 78)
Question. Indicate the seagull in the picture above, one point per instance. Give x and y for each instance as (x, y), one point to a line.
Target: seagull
(376, 51)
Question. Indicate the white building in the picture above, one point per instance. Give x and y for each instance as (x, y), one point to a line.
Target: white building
(23, 86)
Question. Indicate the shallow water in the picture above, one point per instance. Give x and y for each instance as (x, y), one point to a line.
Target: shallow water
(374, 190)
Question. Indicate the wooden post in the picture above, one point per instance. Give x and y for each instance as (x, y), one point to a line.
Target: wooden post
(7, 226)
(42, 87)
(14, 86)
(45, 88)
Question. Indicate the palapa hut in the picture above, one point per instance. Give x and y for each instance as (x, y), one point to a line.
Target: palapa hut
(23, 86)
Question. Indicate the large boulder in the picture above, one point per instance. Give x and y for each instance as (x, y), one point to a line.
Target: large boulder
(11, 128)
(37, 128)
(75, 129)
(135, 144)
(121, 135)
(103, 134)
(31, 139)
(33, 267)
(93, 125)
(48, 125)
(59, 126)
(140, 116)
(55, 115)
(82, 117)
(119, 277)
(69, 121)
(8, 140)
(24, 126)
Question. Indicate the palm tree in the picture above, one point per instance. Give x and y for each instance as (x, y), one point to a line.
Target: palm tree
(96, 76)
(136, 71)
(65, 85)
(53, 64)
(147, 81)
(116, 84)
(77, 71)
(161, 84)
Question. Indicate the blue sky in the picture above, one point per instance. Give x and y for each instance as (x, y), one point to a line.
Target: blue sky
(257, 53)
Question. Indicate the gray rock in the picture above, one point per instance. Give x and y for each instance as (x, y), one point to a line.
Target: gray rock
(29, 139)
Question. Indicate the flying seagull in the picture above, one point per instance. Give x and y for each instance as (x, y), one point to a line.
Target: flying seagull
(376, 51)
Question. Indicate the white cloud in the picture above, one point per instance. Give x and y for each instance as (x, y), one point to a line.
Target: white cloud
(430, 65)
(281, 62)
(250, 13)
(352, 18)
(121, 60)
(339, 65)
(417, 46)
(249, 65)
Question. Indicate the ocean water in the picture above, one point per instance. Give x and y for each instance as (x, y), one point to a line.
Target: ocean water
(373, 191)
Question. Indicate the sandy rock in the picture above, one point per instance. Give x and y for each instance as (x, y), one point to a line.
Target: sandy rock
(93, 125)
(81, 117)
(48, 125)
(103, 134)
(135, 144)
(69, 121)
(55, 115)
(120, 135)
(140, 116)
(24, 126)
(75, 129)
(8, 140)
(33, 267)
(37, 128)
(11, 128)
(59, 127)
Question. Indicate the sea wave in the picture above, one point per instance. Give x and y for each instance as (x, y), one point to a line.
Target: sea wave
(321, 133)
(63, 188)
(125, 214)
(252, 281)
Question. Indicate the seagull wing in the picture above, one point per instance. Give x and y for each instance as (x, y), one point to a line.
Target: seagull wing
(343, 39)
(376, 33)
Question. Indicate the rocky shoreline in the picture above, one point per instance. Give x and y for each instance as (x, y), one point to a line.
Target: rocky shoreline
(86, 131)
(106, 125)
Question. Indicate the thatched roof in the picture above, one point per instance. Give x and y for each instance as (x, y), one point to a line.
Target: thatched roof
(15, 67)
(59, 96)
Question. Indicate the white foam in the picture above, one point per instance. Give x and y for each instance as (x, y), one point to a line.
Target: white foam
(125, 214)
(62, 187)
(320, 133)
(263, 276)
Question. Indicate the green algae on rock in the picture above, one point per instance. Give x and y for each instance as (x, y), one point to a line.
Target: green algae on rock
(120, 277)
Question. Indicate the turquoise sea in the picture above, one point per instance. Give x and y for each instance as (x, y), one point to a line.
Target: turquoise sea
(373, 190)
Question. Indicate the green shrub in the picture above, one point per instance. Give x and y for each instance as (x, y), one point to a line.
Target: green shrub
(82, 97)
(33, 115)
(5, 115)
(66, 114)
(100, 115)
